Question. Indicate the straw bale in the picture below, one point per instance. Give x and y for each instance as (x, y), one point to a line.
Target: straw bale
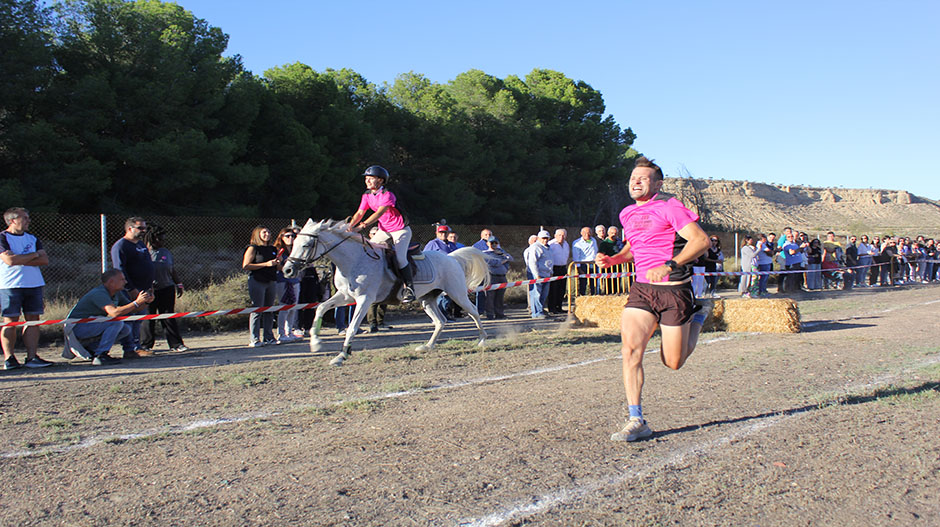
(737, 315)
(765, 315)
(600, 311)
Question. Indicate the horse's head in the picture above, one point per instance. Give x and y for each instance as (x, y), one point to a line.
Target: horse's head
(304, 250)
(308, 245)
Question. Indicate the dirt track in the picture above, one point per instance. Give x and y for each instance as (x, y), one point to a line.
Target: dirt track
(835, 426)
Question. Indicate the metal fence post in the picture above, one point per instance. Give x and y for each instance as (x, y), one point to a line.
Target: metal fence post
(104, 243)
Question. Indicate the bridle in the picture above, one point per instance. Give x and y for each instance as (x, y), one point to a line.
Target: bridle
(309, 253)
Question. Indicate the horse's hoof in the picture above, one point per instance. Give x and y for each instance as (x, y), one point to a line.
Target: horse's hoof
(423, 348)
(315, 345)
(482, 343)
(337, 360)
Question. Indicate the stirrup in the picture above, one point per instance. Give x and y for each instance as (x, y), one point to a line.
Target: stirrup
(407, 295)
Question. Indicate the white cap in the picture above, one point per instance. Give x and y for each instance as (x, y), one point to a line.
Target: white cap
(544, 234)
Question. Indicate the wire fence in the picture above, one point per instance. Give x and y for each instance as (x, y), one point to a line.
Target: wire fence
(205, 249)
(209, 250)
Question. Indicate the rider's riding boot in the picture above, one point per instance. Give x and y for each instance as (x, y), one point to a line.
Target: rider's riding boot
(407, 291)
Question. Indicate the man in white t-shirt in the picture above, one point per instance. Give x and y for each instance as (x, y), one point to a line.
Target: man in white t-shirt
(21, 283)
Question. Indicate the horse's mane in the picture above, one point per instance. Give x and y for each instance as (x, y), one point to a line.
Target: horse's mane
(338, 227)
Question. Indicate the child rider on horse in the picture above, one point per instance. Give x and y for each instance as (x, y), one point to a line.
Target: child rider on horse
(392, 225)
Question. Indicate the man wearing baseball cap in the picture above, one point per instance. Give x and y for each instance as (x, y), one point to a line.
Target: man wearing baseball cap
(538, 264)
(440, 243)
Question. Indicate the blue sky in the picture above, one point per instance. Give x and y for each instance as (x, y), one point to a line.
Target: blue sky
(821, 93)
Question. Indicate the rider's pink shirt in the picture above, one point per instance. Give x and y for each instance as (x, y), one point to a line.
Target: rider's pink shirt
(652, 230)
(392, 220)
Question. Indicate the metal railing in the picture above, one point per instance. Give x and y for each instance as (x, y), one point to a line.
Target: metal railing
(581, 286)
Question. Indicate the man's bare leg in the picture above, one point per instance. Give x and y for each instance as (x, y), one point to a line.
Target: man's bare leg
(677, 344)
(31, 338)
(681, 340)
(8, 337)
(636, 328)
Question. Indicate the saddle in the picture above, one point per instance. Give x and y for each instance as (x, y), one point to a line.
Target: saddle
(391, 259)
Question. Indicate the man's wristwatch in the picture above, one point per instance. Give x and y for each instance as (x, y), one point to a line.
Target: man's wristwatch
(672, 264)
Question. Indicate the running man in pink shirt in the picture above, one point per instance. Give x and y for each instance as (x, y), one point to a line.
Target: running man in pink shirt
(662, 238)
(392, 225)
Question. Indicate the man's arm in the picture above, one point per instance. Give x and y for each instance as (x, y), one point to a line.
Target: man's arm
(144, 297)
(576, 253)
(625, 255)
(531, 262)
(696, 245)
(34, 258)
(117, 260)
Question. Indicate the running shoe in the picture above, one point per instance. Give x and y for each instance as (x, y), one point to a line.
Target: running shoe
(11, 364)
(181, 348)
(635, 429)
(37, 362)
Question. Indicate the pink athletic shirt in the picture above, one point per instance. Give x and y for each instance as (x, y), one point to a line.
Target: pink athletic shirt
(652, 230)
(392, 220)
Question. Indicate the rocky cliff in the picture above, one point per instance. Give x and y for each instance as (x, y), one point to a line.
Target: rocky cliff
(747, 206)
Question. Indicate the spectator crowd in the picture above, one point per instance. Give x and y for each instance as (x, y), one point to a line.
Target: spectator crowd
(143, 279)
(814, 264)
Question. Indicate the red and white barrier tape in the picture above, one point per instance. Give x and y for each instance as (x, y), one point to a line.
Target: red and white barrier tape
(165, 316)
(295, 307)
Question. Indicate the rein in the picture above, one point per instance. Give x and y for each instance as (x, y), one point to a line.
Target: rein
(305, 261)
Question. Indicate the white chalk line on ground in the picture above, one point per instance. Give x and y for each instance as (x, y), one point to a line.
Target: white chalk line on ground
(567, 495)
(545, 502)
(211, 423)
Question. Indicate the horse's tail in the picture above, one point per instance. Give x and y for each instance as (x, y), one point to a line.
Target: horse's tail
(474, 266)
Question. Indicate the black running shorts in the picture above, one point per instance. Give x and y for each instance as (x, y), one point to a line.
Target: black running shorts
(672, 305)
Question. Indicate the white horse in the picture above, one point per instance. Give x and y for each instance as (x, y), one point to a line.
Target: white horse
(363, 276)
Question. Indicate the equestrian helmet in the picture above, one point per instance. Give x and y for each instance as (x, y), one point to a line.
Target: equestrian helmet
(377, 171)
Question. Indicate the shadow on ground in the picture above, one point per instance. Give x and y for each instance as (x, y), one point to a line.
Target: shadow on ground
(849, 400)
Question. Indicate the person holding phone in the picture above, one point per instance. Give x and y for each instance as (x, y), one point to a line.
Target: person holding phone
(166, 288)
